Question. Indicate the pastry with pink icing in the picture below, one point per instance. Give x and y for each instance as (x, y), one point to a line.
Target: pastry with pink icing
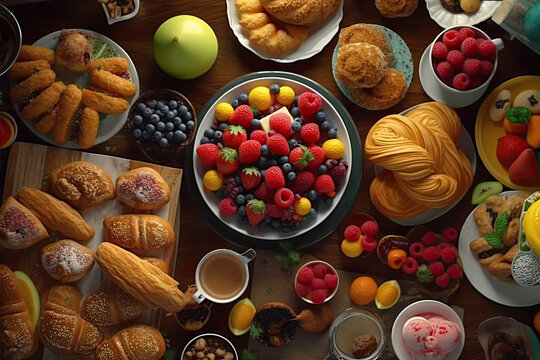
(429, 336)
(143, 189)
(19, 227)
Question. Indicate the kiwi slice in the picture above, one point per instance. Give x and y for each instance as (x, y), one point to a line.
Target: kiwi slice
(484, 190)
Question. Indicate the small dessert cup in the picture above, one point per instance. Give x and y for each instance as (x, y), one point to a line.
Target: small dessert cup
(330, 290)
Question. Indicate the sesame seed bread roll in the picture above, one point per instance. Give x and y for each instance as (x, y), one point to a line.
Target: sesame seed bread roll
(137, 342)
(66, 260)
(19, 227)
(143, 189)
(107, 308)
(138, 232)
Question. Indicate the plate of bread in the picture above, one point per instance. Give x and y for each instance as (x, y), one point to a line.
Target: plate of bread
(448, 13)
(80, 225)
(284, 31)
(73, 87)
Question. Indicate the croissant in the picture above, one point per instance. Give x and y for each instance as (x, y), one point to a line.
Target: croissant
(137, 342)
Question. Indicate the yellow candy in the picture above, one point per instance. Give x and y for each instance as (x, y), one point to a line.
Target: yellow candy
(261, 98)
(333, 149)
(351, 249)
(302, 206)
(223, 111)
(213, 180)
(285, 96)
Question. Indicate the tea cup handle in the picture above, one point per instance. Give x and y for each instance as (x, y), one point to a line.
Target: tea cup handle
(499, 45)
(248, 255)
(198, 296)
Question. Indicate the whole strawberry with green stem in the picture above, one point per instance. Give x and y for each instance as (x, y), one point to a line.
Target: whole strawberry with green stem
(300, 156)
(250, 177)
(233, 136)
(255, 211)
(227, 162)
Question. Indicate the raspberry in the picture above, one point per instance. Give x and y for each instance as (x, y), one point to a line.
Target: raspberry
(416, 249)
(264, 193)
(441, 246)
(305, 275)
(461, 81)
(318, 296)
(352, 233)
(302, 289)
(444, 69)
(310, 133)
(430, 254)
(486, 67)
(319, 270)
(429, 238)
(331, 281)
(487, 49)
(368, 243)
(455, 58)
(450, 234)
(471, 66)
(451, 39)
(276, 212)
(309, 103)
(281, 123)
(448, 254)
(466, 32)
(242, 116)
(439, 50)
(338, 172)
(409, 266)
(479, 41)
(284, 197)
(317, 284)
(370, 228)
(436, 268)
(260, 136)
(468, 47)
(455, 271)
(227, 207)
(442, 280)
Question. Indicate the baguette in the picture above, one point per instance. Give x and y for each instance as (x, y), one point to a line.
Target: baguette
(162, 265)
(56, 214)
(60, 327)
(66, 260)
(137, 342)
(138, 232)
(140, 279)
(107, 308)
(18, 339)
(19, 227)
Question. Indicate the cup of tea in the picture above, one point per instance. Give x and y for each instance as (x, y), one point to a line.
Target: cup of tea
(222, 275)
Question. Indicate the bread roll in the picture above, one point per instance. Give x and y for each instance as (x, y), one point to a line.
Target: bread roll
(106, 308)
(300, 12)
(19, 227)
(137, 342)
(18, 339)
(143, 189)
(81, 184)
(67, 260)
(150, 286)
(56, 214)
(60, 327)
(138, 232)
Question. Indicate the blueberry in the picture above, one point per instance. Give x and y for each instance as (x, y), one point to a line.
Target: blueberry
(150, 128)
(291, 176)
(274, 89)
(240, 199)
(154, 119)
(173, 104)
(148, 112)
(296, 99)
(180, 136)
(243, 98)
(292, 143)
(204, 140)
(137, 119)
(297, 119)
(261, 162)
(182, 110)
(175, 112)
(163, 142)
(296, 126)
(145, 135)
(276, 223)
(242, 210)
(190, 124)
(255, 123)
(235, 103)
(169, 115)
(322, 169)
(262, 171)
(325, 126)
(218, 135)
(295, 111)
(177, 121)
(287, 167)
(136, 133)
(160, 126)
(151, 103)
(159, 104)
(272, 162)
(140, 107)
(240, 189)
(223, 126)
(182, 127)
(169, 126)
(283, 159)
(332, 133)
(164, 109)
(169, 135)
(312, 213)
(209, 133)
(237, 180)
(188, 116)
(311, 195)
(249, 196)
(265, 150)
(159, 112)
(320, 116)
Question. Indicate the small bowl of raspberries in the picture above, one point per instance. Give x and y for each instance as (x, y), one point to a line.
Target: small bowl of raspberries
(464, 60)
(316, 282)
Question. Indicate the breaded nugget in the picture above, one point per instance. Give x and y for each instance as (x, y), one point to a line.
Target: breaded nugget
(22, 70)
(37, 82)
(116, 65)
(388, 92)
(66, 111)
(360, 65)
(43, 102)
(104, 103)
(396, 8)
(113, 84)
(369, 34)
(46, 124)
(31, 52)
(88, 128)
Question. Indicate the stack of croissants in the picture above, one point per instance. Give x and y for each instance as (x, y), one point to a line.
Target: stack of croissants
(133, 282)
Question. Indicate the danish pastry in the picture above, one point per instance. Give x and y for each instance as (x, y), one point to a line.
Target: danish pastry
(369, 34)
(66, 260)
(396, 8)
(360, 65)
(143, 189)
(19, 227)
(388, 92)
(300, 12)
(73, 51)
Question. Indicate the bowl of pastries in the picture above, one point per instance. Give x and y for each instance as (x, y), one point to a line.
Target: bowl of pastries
(119, 10)
(11, 39)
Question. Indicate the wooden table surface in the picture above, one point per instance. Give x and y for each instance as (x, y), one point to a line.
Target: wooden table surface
(195, 237)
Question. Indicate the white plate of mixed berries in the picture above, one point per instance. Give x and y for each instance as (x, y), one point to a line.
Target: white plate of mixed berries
(273, 157)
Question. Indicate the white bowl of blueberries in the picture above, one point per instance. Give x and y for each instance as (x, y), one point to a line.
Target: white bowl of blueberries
(162, 122)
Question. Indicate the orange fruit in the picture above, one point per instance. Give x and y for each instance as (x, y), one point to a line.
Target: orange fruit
(363, 290)
(396, 257)
(388, 294)
(240, 316)
(536, 321)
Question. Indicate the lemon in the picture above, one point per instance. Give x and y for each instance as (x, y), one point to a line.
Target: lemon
(388, 294)
(240, 316)
(333, 149)
(30, 295)
(261, 98)
(213, 180)
(351, 249)
(302, 206)
(223, 111)
(285, 96)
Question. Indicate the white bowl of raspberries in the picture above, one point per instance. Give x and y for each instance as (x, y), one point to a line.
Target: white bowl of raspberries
(272, 157)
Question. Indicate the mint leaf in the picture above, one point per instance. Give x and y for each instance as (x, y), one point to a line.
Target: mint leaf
(501, 224)
(518, 115)
(494, 239)
(250, 355)
(255, 331)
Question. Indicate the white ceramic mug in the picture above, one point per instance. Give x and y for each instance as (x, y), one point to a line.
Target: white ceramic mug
(222, 275)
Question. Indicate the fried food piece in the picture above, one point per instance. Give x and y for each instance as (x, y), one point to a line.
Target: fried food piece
(66, 111)
(360, 65)
(494, 203)
(483, 219)
(502, 267)
(369, 34)
(88, 128)
(388, 92)
(37, 82)
(43, 102)
(104, 103)
(116, 65)
(511, 235)
(31, 52)
(512, 206)
(396, 8)
(113, 84)
(47, 122)
(23, 69)
(73, 51)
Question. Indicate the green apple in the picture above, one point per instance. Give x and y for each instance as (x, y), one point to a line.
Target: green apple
(185, 47)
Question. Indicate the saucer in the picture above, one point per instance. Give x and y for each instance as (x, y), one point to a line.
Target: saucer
(436, 91)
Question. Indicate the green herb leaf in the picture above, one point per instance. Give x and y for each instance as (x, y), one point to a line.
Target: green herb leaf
(518, 115)
(501, 224)
(250, 355)
(494, 239)
(68, 299)
(423, 274)
(45, 180)
(255, 331)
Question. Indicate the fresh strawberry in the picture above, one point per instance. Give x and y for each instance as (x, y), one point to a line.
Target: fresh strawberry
(264, 193)
(227, 207)
(300, 156)
(208, 154)
(310, 133)
(524, 167)
(281, 123)
(249, 151)
(509, 147)
(284, 197)
(276, 211)
(273, 177)
(277, 144)
(442, 280)
(242, 116)
(309, 103)
(227, 162)
(318, 157)
(260, 136)
(324, 184)
(255, 211)
(250, 177)
(304, 181)
(233, 136)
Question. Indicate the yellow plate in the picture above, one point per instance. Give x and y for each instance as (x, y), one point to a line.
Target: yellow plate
(487, 132)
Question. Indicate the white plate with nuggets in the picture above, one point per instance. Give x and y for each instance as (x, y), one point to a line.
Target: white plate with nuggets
(446, 19)
(320, 35)
(102, 47)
